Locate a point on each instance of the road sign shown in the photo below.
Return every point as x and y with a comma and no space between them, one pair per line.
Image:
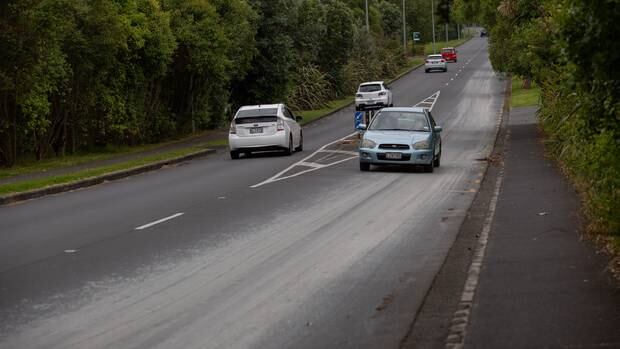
359,118
416,36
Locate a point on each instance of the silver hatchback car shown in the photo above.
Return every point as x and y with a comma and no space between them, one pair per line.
373,95
264,128
401,136
435,62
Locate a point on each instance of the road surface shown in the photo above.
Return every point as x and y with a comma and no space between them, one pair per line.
221,254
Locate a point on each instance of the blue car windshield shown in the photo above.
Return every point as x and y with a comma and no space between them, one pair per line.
400,121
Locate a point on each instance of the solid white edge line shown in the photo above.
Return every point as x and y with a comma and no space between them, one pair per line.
148,225
460,319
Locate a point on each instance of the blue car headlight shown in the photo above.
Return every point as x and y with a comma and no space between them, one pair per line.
422,145
367,143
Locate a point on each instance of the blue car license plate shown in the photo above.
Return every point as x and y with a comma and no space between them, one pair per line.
393,156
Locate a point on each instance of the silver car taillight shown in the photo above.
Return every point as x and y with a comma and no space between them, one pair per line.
233,128
280,125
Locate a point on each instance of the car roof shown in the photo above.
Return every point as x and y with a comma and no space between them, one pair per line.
405,109
260,106
371,83
435,55
447,48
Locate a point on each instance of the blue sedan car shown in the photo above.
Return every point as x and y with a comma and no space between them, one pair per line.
401,136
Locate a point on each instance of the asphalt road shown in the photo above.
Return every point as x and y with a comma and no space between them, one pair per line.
331,257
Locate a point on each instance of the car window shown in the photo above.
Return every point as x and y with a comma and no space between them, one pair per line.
430,117
370,88
253,116
435,56
288,113
447,50
400,120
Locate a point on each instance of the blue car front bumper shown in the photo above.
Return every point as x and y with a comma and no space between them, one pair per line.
410,157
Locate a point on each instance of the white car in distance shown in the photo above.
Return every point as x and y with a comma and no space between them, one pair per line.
258,128
373,95
435,62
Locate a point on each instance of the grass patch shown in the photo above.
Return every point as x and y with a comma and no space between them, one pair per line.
26,166
522,97
217,143
412,62
94,172
311,115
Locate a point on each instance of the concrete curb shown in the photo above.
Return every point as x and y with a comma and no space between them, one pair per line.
88,182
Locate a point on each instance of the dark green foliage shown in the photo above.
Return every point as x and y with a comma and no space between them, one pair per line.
78,74
569,48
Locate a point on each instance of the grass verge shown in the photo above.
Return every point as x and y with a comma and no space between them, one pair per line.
311,115
27,166
94,172
524,97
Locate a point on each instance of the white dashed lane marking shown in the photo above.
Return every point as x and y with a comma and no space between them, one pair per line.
148,225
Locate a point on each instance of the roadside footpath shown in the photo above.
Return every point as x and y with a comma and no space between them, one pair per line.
540,284
530,279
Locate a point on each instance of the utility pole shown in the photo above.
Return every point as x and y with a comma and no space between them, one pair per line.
404,30
367,22
433,23
447,38
458,31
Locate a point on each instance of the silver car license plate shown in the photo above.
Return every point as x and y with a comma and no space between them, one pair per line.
393,156
255,130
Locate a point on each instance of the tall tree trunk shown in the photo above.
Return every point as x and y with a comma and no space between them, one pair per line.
191,101
7,152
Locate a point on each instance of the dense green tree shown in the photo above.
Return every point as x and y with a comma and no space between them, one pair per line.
336,42
268,79
568,48
76,74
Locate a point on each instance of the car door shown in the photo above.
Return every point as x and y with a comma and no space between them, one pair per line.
293,125
389,93
436,136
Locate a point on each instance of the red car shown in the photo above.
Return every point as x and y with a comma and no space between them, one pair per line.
449,54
